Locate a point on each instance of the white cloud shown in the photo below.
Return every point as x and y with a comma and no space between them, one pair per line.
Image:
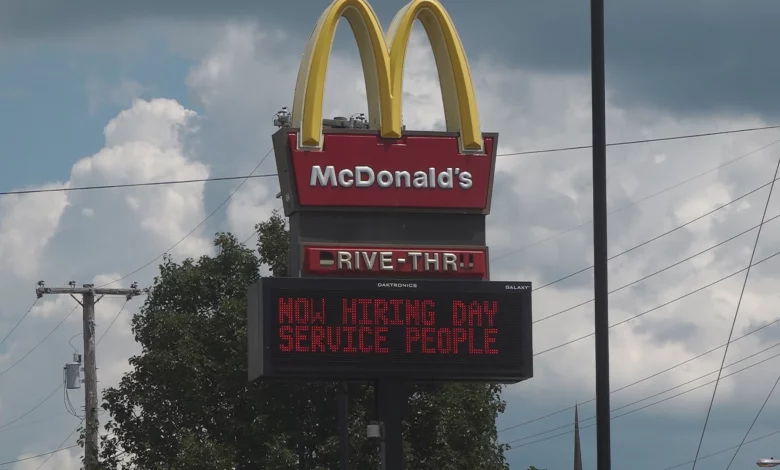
93,237
244,74
147,143
27,224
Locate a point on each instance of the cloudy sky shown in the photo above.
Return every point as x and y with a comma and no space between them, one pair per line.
95,94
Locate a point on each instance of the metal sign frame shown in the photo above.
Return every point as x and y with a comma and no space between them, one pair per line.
262,363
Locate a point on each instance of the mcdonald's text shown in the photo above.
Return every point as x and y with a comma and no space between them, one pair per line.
365,177
365,170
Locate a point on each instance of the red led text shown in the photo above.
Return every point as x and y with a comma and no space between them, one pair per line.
366,325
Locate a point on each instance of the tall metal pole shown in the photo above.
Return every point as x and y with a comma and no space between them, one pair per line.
600,263
90,383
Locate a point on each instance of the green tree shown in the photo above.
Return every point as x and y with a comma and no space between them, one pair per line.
187,403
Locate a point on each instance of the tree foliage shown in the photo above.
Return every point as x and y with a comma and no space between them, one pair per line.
187,403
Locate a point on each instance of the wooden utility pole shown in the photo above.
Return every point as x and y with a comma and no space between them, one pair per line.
88,293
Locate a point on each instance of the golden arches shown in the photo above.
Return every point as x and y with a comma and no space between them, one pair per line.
383,70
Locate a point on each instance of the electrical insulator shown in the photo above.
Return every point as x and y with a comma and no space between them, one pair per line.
282,118
73,375
358,121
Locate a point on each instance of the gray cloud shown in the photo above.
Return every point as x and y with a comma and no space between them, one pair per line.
686,57
536,196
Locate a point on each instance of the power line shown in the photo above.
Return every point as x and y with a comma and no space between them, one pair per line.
724,450
133,185
668,232
113,321
51,394
658,307
222,204
9,462
28,423
644,379
526,152
642,407
753,423
19,322
5,425
639,201
736,314
59,447
665,268
688,382
642,141
3,372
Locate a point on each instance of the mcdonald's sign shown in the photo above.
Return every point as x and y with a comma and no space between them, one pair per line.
380,166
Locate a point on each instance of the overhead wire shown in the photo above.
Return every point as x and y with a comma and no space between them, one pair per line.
769,395
676,299
663,400
642,141
222,204
638,201
664,234
20,192
268,175
59,447
35,302
724,450
637,382
26,413
60,385
736,314
4,371
245,178
662,270
642,244
35,421
113,321
688,382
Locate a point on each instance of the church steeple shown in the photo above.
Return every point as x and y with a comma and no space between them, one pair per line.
577,450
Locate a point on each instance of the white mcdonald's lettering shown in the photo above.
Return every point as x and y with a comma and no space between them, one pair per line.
383,63
389,261
365,177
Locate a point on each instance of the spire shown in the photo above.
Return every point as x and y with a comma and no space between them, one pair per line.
577,451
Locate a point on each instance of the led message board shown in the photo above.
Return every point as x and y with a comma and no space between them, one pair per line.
330,328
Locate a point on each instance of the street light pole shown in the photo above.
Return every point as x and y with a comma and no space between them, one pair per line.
600,260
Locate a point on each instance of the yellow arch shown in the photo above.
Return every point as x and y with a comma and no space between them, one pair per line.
383,70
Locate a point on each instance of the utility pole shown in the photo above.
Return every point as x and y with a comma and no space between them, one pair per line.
88,301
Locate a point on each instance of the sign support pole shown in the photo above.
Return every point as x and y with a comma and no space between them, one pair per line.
344,425
390,399
600,254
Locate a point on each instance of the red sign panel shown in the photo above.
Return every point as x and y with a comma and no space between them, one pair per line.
395,261
363,170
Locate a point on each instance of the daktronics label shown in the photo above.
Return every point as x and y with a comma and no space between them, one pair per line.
395,261
360,169
358,328
365,177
